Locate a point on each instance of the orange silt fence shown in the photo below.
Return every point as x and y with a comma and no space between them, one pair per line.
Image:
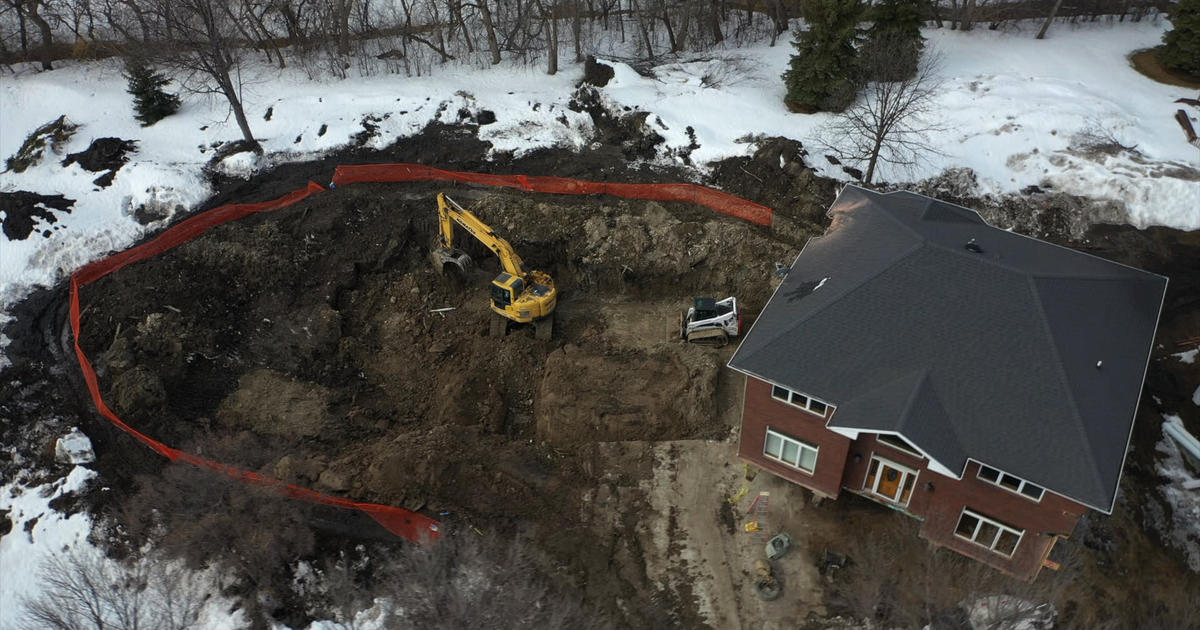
403,523
722,202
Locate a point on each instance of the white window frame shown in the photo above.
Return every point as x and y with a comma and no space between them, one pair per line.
802,446
1000,529
793,395
1021,485
904,470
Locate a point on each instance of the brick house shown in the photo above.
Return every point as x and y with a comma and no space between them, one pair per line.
978,380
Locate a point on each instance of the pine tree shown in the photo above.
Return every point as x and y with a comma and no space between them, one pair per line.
895,32
150,102
1181,45
823,74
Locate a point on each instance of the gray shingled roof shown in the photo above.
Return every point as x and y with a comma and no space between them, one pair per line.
990,356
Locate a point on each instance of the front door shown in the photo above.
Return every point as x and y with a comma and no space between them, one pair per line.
890,481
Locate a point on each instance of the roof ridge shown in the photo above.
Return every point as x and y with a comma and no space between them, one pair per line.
1076,418
926,384
912,396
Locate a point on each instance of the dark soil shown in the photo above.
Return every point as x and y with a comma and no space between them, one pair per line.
304,343
103,154
1147,63
22,210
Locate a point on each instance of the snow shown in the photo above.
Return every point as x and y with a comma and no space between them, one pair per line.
1184,529
1196,396
23,552
1005,112
243,164
1006,612
74,448
308,118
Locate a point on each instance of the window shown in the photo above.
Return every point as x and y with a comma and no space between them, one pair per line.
807,403
1011,483
889,480
790,451
981,530
899,443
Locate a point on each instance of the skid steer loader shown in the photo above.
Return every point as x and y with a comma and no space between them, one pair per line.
710,322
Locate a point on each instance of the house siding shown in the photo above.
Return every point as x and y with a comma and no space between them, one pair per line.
761,412
936,500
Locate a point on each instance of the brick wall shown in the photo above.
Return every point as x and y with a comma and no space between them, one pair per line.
936,499
761,411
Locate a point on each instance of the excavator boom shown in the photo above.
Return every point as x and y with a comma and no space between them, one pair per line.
449,213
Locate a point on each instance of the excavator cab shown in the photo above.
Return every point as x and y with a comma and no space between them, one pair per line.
505,289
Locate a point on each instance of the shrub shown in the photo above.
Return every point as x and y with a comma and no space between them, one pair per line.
823,74
1181,45
150,102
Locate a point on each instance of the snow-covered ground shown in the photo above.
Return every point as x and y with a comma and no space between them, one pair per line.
1014,110
1184,528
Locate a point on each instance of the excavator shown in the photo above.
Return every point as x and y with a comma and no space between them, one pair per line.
519,294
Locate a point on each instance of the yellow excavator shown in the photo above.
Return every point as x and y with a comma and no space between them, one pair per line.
519,294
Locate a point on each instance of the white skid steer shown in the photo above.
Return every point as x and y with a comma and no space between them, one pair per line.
710,322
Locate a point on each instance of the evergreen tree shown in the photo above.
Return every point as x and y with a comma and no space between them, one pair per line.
895,32
1181,45
823,74
150,102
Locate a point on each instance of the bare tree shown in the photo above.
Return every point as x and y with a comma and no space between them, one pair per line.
199,40
468,582
1050,18
84,590
32,10
890,122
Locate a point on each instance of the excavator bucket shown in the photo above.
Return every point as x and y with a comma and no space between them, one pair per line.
456,261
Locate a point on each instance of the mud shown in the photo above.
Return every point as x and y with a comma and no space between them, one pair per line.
313,344
103,154
23,210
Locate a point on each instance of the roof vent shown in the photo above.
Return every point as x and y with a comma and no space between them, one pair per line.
972,247
1099,364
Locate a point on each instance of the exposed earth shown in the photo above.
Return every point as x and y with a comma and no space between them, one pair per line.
314,344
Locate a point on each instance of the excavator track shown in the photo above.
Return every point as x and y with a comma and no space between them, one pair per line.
712,337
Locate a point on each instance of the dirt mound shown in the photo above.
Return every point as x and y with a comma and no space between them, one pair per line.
777,175
52,135
669,395
596,73
270,403
637,247
627,129
103,154
1036,212
22,209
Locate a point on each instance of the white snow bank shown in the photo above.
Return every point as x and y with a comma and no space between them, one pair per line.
74,448
1009,114
37,532
1016,110
1005,612
40,533
307,118
1188,356
1184,528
